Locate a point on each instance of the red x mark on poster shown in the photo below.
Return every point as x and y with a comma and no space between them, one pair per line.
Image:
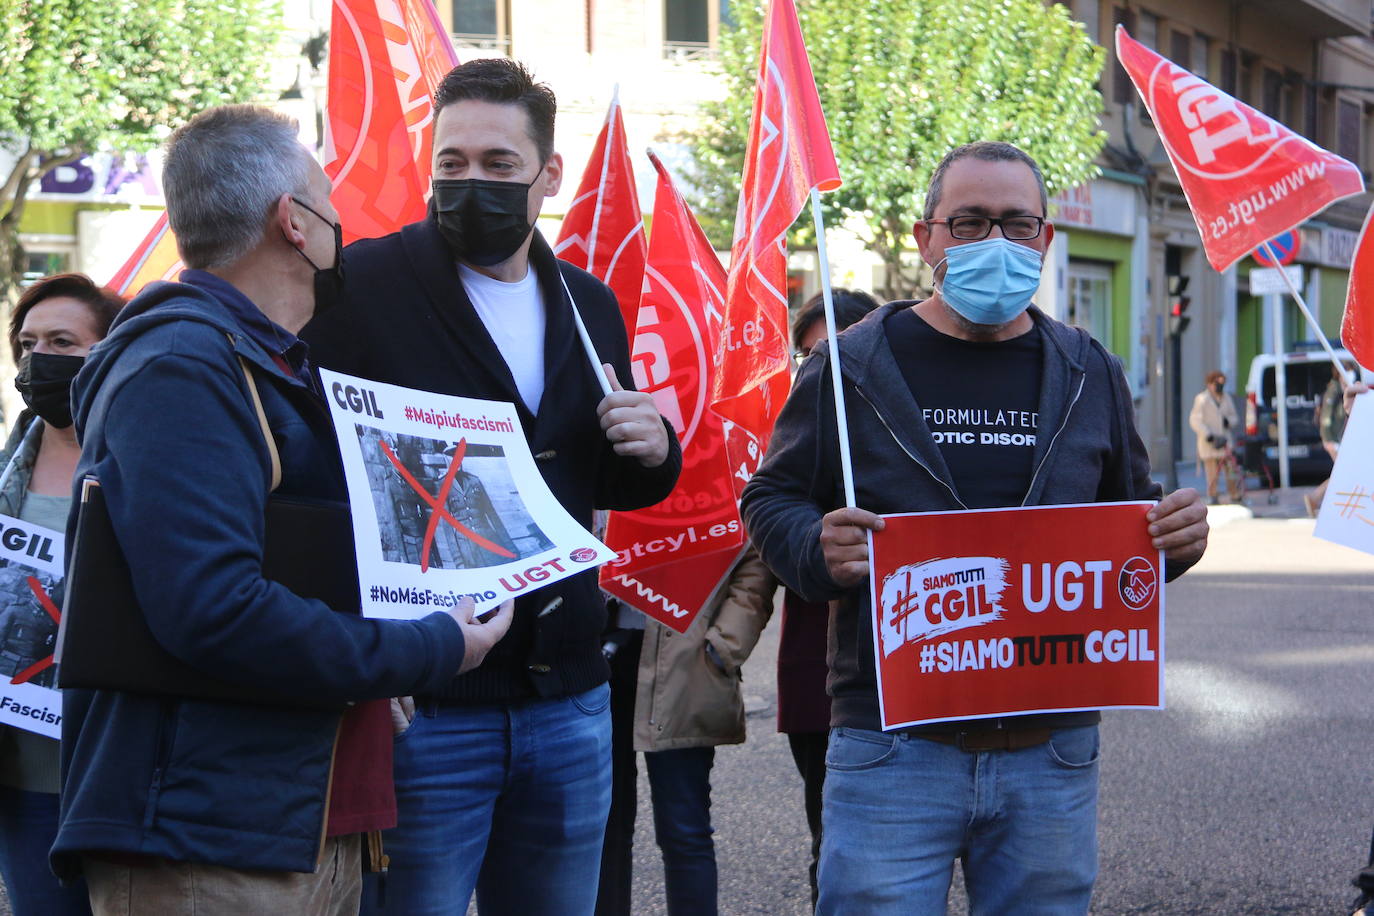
437,504
46,603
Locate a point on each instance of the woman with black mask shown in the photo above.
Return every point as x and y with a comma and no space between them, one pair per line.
55,323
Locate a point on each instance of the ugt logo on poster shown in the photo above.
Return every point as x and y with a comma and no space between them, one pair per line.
1006,611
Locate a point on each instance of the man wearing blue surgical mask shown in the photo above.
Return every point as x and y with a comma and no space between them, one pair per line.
969,399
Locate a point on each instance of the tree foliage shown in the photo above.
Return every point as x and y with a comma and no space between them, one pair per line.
78,76
902,82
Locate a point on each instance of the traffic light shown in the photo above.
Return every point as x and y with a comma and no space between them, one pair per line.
1178,308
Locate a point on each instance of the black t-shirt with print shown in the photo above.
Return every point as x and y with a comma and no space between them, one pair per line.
980,401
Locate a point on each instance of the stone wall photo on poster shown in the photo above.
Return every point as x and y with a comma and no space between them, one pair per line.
481,496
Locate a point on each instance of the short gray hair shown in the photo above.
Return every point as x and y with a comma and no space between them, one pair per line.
987,151
225,170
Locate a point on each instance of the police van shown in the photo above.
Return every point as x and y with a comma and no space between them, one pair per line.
1307,372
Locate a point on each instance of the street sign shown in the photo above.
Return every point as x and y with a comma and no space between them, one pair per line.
1285,244
1267,281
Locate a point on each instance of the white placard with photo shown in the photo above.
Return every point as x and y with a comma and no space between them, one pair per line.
447,501
31,571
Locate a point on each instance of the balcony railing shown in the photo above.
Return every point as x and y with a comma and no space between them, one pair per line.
482,42
684,51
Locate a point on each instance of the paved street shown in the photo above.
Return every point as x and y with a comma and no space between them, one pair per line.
1249,794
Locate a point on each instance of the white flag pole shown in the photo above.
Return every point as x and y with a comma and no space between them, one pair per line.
1302,305
846,464
587,344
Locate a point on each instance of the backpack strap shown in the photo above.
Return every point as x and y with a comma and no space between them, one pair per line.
271,443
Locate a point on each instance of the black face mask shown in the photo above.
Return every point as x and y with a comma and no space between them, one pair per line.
45,383
484,222
328,280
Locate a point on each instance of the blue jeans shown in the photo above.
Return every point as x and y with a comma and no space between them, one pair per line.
28,826
900,809
509,799
680,785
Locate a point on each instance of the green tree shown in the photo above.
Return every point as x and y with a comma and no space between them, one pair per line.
78,76
902,82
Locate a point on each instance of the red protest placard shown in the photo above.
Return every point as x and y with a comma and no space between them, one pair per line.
999,612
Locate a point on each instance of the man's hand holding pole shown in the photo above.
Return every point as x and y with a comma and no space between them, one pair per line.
1353,390
844,542
632,423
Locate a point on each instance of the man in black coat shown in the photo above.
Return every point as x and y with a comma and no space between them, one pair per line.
503,777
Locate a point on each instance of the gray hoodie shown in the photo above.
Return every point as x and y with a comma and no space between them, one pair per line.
1087,451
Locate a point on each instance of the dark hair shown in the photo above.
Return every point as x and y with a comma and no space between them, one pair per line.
850,306
503,82
101,302
987,151
1214,375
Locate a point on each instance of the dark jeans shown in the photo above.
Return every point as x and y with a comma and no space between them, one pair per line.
680,786
617,857
808,752
508,798
680,790
28,826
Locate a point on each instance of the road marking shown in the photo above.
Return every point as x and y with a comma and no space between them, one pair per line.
1334,655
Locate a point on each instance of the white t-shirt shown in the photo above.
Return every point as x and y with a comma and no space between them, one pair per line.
514,317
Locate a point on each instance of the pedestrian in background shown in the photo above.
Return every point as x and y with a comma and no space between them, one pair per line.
1214,419
676,697
55,323
1331,416
803,705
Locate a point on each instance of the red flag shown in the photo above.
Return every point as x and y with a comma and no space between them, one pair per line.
1357,327
386,57
1246,176
671,555
603,232
673,595
788,154
155,258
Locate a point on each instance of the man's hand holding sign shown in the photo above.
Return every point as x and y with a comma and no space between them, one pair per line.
1177,525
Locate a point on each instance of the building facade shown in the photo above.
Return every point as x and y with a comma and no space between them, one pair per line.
1123,241
1127,239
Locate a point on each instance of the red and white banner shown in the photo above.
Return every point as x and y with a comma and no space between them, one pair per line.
603,231
671,555
386,57
1357,326
673,595
155,258
1246,176
1001,612
788,154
